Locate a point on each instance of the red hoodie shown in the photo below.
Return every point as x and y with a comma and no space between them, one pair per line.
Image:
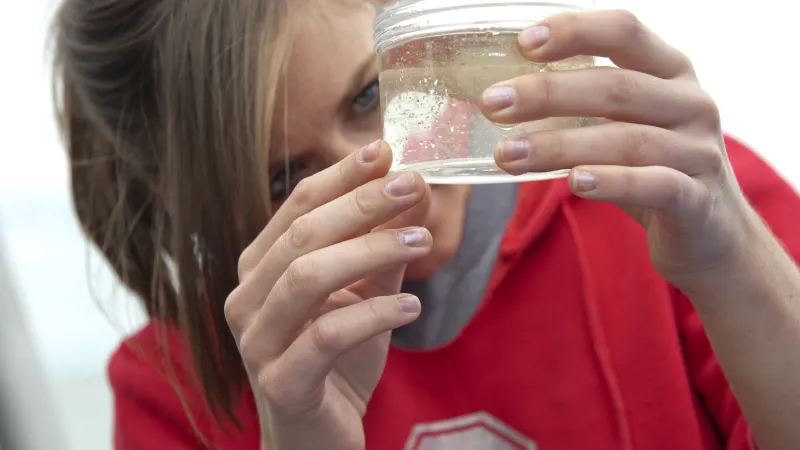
578,344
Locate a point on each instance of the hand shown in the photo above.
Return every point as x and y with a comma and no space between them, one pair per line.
659,153
318,298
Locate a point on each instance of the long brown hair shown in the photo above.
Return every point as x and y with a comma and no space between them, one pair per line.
166,109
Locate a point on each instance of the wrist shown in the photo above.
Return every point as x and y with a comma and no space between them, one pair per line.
758,269
751,247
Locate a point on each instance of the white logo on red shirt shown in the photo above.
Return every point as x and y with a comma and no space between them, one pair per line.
479,431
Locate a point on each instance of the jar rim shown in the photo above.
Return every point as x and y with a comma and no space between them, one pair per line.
404,20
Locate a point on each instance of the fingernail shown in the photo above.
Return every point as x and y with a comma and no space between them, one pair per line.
534,37
410,304
401,185
369,153
585,182
497,98
412,238
513,150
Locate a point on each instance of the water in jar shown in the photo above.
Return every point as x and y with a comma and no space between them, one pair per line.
430,90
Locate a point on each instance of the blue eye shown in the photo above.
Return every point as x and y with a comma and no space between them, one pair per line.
368,98
283,182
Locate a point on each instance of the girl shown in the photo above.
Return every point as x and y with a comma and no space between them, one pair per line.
221,160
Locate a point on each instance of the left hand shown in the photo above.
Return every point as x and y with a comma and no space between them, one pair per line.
660,154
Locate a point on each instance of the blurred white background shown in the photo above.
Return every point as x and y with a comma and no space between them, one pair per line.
745,55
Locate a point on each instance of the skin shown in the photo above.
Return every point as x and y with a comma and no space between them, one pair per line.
319,289
333,60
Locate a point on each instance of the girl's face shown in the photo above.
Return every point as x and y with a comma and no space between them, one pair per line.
334,109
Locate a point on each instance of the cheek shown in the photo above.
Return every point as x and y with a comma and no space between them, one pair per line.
446,223
365,129
352,137
446,214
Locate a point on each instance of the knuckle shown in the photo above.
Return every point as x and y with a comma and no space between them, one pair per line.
685,63
372,243
636,151
343,169
249,349
678,196
272,387
708,195
628,185
715,158
247,261
706,107
622,87
547,90
286,391
569,25
299,274
299,234
672,192
629,24
327,336
232,309
553,148
302,196
362,202
558,145
375,313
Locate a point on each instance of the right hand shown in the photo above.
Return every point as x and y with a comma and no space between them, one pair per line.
318,298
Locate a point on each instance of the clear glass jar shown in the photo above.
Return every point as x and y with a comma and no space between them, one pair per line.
436,59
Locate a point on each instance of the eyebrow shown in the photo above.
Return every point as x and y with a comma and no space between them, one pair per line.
357,81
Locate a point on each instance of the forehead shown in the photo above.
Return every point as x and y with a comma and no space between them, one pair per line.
332,41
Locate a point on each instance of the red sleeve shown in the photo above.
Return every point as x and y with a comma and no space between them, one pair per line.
708,380
778,204
152,394
148,412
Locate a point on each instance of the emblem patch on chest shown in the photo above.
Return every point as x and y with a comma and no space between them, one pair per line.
479,431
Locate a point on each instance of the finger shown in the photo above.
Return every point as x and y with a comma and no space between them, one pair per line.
312,356
613,143
344,218
617,35
388,282
310,279
658,188
616,94
416,216
338,300
371,162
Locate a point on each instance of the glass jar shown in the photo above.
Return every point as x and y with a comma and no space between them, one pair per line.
436,59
